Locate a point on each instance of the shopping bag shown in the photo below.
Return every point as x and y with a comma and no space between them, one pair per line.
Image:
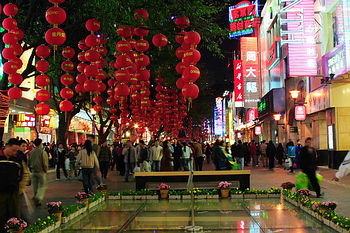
287,163
147,166
303,182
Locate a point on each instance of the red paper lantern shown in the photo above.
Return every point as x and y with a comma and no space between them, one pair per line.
92,40
142,45
81,57
55,36
79,88
92,55
42,51
102,51
124,32
180,67
67,66
98,108
122,90
18,32
111,83
142,60
182,22
179,38
102,75
180,52
92,25
55,2
67,79
114,118
132,68
17,61
66,106
123,61
10,9
91,71
192,38
101,87
42,109
68,52
159,40
191,74
14,93
90,85
113,110
42,80
81,78
66,93
55,15
15,79
42,66
123,46
180,83
9,24
190,90
141,14
81,67
122,75
8,53
10,67
191,57
9,38
18,49
97,99
43,95
82,45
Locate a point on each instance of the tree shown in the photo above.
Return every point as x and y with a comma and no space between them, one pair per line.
111,14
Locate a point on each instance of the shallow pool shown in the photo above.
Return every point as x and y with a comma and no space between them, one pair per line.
227,215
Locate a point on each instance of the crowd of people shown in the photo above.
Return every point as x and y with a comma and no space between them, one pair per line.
25,163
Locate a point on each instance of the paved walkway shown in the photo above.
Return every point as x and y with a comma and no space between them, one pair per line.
64,190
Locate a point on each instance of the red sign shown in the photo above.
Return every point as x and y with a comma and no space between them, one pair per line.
251,71
252,114
238,83
258,130
25,120
300,113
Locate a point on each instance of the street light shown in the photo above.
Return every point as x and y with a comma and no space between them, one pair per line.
277,116
294,94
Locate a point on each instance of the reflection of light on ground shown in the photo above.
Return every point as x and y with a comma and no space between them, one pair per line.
279,207
254,227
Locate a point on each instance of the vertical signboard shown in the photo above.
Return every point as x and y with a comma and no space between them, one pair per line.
218,117
250,71
298,31
238,83
300,113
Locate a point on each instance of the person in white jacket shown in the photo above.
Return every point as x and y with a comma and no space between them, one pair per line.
344,168
156,155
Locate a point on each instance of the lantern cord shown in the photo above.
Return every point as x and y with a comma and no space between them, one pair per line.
54,53
65,116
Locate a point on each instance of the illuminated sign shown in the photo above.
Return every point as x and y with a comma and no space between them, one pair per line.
252,114
298,31
218,117
238,83
258,130
25,120
251,71
300,113
334,61
243,18
1,67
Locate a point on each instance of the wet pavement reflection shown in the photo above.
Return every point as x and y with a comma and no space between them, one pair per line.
227,215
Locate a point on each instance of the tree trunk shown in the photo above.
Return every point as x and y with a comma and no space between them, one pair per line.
63,127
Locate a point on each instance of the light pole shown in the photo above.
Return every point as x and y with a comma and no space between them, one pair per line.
277,118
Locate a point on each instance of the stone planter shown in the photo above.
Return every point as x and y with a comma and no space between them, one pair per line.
262,196
174,197
326,222
164,193
127,197
152,197
186,197
201,196
274,195
116,197
138,197
237,196
250,196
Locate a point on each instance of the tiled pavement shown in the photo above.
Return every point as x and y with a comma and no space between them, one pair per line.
64,190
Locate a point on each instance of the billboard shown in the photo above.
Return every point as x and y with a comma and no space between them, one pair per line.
250,71
243,18
218,117
238,82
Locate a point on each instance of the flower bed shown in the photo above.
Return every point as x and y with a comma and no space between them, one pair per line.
324,212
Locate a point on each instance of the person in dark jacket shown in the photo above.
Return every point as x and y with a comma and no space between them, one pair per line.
280,154
308,164
271,154
61,154
165,164
104,159
11,174
178,156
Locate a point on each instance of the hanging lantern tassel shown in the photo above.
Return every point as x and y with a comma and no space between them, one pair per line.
189,105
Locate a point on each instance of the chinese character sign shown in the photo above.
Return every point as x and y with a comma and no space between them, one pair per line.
250,71
252,114
300,113
25,120
218,117
238,83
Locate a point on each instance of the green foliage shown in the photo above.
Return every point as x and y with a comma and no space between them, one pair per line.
70,209
95,197
41,224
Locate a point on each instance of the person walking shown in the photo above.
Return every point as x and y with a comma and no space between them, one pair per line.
253,151
271,154
60,155
291,154
114,156
167,158
208,151
10,173
96,148
198,155
129,154
280,154
186,151
178,156
88,161
239,154
308,164
156,152
144,158
39,165
263,157
104,159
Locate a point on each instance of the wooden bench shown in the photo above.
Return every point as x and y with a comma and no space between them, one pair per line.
201,179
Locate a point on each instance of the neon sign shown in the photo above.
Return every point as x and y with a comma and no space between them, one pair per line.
300,113
218,117
238,83
243,18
